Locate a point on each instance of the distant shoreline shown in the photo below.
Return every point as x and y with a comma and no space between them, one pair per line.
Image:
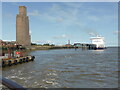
34,48
113,46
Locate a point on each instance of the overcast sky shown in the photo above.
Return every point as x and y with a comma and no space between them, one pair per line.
62,21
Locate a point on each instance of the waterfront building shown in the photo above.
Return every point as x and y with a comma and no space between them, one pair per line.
22,27
68,45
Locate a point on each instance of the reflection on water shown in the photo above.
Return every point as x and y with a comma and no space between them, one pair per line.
99,50
68,68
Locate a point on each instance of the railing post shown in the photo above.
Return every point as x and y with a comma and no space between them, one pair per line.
11,85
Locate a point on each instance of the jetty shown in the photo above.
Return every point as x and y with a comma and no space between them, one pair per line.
85,46
15,61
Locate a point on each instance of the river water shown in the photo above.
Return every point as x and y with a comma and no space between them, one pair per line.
67,68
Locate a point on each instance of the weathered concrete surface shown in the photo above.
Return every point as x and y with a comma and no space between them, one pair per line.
22,27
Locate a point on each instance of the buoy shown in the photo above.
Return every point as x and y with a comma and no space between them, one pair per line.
27,59
9,63
33,57
3,63
24,60
15,62
20,61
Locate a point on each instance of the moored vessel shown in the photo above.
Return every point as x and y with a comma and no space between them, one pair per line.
98,42
14,59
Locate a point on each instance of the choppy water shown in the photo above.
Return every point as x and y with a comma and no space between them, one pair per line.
67,68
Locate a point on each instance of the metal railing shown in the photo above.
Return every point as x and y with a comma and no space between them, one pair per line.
11,85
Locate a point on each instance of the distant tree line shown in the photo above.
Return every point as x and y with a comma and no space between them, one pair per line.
46,44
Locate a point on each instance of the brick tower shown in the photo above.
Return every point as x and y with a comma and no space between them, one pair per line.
22,27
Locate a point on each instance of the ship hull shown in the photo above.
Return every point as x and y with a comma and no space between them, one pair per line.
100,48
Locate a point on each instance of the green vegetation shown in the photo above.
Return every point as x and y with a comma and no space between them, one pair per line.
46,44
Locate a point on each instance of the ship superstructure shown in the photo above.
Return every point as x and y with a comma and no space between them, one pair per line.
98,41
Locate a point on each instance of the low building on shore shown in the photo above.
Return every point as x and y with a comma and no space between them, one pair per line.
8,43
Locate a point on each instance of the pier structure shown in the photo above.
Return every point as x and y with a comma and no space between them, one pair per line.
22,27
15,61
85,46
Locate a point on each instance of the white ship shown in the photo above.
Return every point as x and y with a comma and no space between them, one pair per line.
98,41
